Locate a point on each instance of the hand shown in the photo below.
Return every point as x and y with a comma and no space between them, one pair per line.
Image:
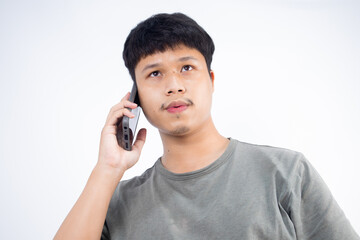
110,153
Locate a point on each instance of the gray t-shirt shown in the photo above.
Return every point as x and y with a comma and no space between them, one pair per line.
250,192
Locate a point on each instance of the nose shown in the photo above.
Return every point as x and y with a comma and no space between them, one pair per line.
174,85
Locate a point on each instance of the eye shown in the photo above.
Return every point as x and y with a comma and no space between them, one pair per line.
186,68
154,74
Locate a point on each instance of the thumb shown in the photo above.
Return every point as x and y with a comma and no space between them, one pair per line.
140,140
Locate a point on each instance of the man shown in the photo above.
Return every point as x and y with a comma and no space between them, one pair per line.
205,186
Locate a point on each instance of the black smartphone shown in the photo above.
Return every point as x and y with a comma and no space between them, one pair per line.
127,126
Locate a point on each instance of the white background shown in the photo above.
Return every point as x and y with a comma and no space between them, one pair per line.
287,74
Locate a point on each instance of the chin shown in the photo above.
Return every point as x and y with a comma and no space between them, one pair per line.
178,131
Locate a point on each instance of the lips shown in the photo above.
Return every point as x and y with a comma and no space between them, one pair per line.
178,106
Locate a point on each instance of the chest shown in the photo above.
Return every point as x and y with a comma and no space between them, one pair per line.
208,210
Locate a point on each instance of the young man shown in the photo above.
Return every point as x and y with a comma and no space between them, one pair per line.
205,186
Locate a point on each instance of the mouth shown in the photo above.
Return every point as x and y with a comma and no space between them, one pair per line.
177,106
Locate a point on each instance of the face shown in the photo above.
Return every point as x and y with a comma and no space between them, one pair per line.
175,90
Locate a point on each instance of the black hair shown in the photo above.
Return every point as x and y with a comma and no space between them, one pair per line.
162,32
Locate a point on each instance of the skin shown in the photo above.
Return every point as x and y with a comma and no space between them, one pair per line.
86,218
190,139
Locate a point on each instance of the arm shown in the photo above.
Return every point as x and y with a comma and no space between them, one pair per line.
314,211
86,218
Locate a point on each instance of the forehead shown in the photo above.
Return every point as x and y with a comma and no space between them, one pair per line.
176,54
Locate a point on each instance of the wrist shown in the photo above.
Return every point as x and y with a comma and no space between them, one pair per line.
108,173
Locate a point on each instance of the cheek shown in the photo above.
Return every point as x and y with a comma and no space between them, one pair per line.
150,105
204,96
206,105
150,115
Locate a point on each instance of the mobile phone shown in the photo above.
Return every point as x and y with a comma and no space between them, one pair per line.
127,126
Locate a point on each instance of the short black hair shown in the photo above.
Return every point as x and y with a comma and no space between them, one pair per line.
162,32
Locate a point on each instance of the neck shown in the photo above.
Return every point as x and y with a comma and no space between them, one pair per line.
194,150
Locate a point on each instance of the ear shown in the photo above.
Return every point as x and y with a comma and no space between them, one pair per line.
212,76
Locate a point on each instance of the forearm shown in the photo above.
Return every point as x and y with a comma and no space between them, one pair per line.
86,218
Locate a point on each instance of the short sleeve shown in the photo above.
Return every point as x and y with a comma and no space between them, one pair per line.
313,209
105,233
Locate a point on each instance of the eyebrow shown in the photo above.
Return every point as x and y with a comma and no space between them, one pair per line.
182,59
150,66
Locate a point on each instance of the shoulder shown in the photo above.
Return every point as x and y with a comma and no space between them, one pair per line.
137,181
285,165
126,189
270,154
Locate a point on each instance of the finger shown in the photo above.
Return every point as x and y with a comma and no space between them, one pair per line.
126,101
129,104
123,104
114,116
126,97
140,140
